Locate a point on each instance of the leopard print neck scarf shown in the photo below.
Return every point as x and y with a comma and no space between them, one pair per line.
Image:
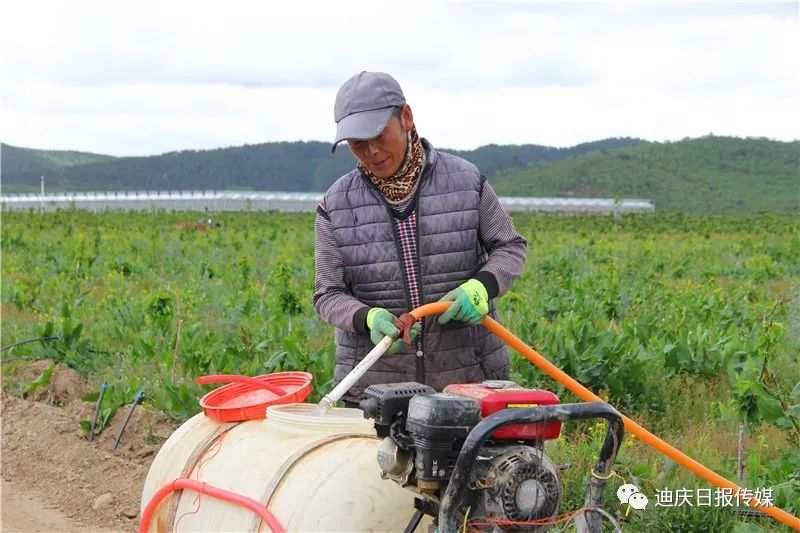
403,183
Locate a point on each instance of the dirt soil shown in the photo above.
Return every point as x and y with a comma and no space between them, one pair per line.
25,511
53,479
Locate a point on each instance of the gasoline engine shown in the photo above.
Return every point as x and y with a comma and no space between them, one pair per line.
475,452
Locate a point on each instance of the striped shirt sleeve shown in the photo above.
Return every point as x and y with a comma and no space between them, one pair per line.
507,249
331,299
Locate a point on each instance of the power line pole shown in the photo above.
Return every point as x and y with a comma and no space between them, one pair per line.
42,198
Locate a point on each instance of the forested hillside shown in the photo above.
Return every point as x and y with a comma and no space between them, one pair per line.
18,162
704,175
281,166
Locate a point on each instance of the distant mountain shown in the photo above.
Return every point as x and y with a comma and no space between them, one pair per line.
285,166
494,158
18,162
705,175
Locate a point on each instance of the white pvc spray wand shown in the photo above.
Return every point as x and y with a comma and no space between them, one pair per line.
359,370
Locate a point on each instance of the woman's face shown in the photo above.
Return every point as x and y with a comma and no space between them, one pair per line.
384,154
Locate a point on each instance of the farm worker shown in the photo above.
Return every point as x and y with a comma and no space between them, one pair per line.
409,225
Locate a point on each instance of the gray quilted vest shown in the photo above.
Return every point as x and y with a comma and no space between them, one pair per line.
449,251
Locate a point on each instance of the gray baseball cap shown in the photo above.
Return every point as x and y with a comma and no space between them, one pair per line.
364,106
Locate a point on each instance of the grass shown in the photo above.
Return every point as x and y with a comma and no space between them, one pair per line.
664,315
695,426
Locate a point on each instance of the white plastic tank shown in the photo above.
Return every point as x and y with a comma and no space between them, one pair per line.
314,473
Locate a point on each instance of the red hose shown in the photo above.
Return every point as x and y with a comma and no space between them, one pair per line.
214,492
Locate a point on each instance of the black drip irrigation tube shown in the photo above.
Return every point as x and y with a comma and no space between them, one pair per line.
136,401
454,494
103,388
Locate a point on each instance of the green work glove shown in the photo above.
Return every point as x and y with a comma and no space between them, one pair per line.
381,323
470,303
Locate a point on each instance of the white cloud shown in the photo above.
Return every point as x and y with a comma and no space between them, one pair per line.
151,77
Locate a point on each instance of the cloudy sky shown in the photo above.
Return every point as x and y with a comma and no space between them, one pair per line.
144,77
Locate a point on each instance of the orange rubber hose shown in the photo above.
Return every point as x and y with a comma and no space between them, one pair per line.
585,394
209,490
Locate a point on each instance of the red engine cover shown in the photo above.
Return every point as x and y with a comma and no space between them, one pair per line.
495,396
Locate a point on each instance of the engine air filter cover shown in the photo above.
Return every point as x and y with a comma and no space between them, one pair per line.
442,416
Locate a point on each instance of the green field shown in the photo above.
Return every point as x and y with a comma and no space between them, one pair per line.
688,324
